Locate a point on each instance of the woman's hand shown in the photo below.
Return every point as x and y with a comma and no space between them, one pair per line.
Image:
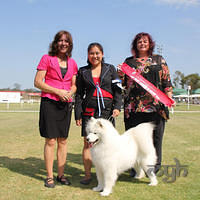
174,104
79,122
64,95
115,113
169,94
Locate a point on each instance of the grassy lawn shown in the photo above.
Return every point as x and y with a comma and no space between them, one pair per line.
22,168
35,107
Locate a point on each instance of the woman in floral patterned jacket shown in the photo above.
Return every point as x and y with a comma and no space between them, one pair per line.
139,105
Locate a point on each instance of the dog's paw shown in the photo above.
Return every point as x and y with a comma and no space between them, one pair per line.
97,189
153,183
139,176
105,193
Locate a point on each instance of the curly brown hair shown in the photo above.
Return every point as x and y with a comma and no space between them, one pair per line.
53,47
134,44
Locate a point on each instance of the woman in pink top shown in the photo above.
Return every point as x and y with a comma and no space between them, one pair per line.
56,77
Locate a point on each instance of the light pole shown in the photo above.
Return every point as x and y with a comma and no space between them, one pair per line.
189,88
160,49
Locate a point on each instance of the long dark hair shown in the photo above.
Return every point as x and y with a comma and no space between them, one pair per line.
134,44
53,47
95,44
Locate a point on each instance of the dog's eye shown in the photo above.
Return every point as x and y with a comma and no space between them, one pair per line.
95,133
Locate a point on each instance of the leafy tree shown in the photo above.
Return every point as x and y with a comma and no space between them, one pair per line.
31,90
178,79
5,89
17,87
193,80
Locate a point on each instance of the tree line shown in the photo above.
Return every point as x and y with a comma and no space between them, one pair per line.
17,87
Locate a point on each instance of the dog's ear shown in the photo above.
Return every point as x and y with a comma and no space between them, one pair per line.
100,124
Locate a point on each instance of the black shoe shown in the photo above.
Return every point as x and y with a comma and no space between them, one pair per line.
86,181
133,172
47,184
63,180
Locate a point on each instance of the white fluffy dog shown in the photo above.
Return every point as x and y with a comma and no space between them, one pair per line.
113,153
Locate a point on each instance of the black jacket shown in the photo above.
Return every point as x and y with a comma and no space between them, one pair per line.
86,88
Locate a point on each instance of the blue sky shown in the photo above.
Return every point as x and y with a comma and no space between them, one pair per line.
28,27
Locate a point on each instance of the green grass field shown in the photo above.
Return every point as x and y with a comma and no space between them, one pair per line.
22,168
35,107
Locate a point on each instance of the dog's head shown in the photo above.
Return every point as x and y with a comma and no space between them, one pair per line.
96,130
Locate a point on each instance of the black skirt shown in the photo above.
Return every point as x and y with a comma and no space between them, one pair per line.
55,118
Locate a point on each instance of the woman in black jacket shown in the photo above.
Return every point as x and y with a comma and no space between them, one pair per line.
98,95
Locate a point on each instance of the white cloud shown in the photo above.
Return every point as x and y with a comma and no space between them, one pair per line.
179,2
171,2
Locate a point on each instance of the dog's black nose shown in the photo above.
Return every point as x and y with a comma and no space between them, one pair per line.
87,139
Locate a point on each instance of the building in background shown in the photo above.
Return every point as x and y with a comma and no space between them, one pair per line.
19,96
10,97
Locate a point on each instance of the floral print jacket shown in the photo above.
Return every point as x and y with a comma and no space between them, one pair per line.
136,99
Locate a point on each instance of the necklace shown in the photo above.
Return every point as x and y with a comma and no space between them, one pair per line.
143,58
62,62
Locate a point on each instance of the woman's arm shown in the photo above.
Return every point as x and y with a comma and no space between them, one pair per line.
166,80
40,84
73,88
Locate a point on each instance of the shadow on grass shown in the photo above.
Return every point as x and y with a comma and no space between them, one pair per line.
32,167
35,168
125,177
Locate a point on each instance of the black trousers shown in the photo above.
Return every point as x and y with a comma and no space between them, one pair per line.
138,118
